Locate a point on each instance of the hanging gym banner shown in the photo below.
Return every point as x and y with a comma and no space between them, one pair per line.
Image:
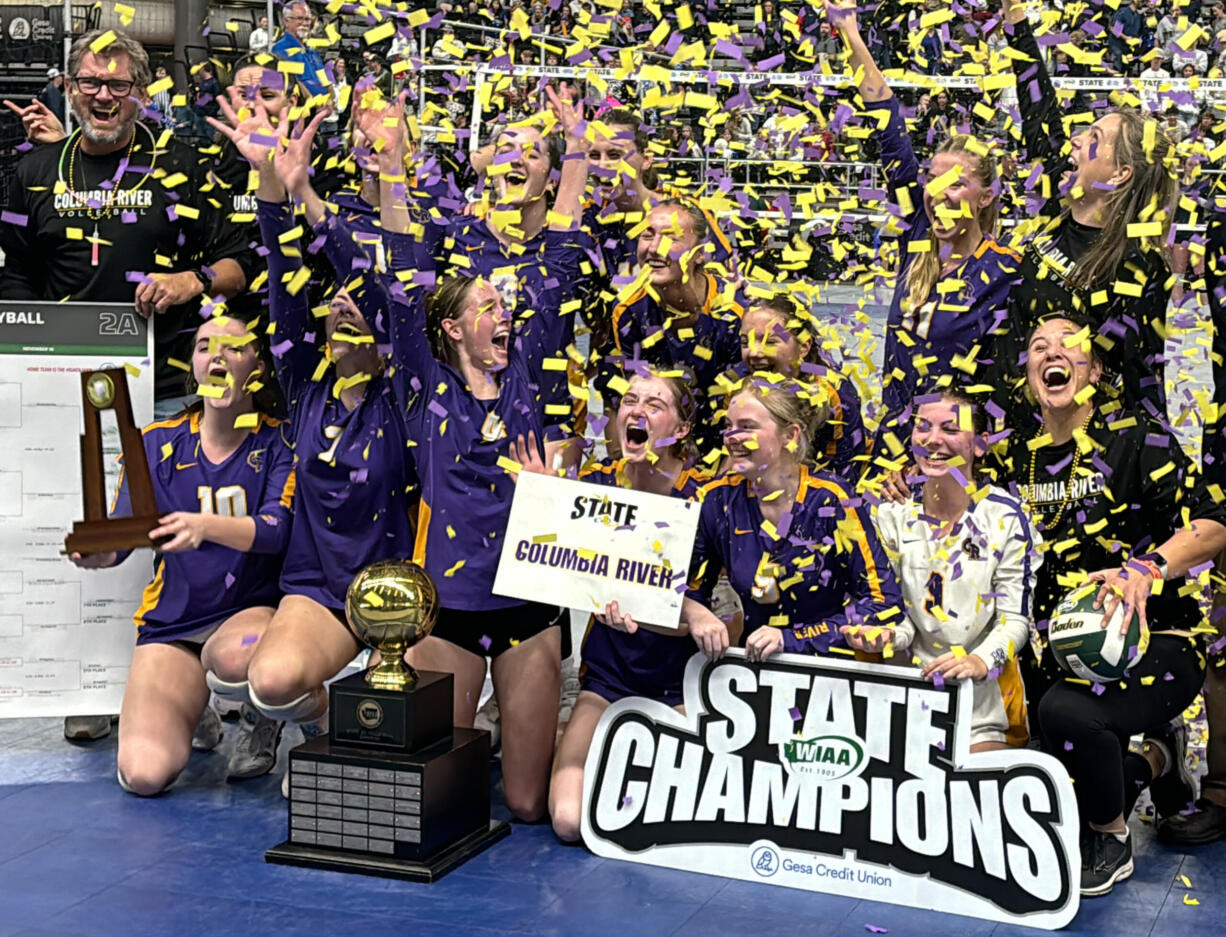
836,776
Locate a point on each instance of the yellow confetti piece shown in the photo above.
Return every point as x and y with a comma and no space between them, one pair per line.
125,13
167,450
378,33
1146,229
509,465
455,569
373,598
131,369
102,42
212,391
187,211
1185,882
1189,900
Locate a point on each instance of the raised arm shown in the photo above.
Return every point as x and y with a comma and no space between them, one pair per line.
871,82
1036,97
394,310
897,154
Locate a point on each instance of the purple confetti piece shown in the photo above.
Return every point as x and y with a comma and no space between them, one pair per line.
874,929
794,712
485,642
12,217
249,639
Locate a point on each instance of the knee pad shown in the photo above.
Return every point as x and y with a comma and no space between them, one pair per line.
233,692
293,711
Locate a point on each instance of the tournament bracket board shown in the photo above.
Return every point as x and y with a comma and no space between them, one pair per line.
66,634
583,545
832,775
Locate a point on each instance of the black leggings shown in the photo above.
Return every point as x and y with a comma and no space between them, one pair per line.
1089,732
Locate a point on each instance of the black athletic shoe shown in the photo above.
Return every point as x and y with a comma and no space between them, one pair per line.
1105,861
1207,824
1174,790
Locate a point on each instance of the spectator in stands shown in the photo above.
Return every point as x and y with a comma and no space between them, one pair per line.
161,100
1125,36
381,77
260,40
1150,95
205,105
1169,29
52,94
342,91
298,21
828,45
1195,55
443,49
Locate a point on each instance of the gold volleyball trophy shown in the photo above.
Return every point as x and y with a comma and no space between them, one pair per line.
395,789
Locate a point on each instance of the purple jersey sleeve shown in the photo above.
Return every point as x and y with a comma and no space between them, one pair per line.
707,560
295,354
273,519
863,572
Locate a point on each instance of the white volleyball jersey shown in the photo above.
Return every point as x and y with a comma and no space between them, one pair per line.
970,589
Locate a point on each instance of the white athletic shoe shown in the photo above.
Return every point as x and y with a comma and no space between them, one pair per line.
208,731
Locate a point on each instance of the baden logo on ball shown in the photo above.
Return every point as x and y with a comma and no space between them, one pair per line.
395,789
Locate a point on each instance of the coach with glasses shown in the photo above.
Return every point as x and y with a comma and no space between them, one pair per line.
112,214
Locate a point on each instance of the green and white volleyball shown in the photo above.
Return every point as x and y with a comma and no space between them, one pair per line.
1090,647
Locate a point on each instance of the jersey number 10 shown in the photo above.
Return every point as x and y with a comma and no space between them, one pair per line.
228,501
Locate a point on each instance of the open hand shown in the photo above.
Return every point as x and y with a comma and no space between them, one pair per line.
528,454
1131,585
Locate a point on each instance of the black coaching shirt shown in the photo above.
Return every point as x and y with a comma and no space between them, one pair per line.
1128,497
89,228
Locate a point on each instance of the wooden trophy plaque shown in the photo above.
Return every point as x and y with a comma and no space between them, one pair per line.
108,390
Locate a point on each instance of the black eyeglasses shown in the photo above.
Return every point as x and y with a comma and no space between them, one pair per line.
119,87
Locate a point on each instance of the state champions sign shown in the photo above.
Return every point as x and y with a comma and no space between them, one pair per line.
836,776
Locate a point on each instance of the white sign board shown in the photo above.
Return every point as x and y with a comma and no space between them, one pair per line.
836,776
582,545
66,634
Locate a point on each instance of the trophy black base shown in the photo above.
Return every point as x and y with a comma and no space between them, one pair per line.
367,809
424,870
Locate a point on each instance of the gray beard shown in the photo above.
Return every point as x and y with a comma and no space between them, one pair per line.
109,138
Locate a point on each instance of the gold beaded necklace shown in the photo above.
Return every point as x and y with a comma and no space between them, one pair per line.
1068,488
80,200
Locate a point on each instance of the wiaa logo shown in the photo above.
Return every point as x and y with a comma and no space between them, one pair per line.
824,758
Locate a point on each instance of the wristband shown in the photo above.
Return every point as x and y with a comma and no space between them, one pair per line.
206,283
1152,563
